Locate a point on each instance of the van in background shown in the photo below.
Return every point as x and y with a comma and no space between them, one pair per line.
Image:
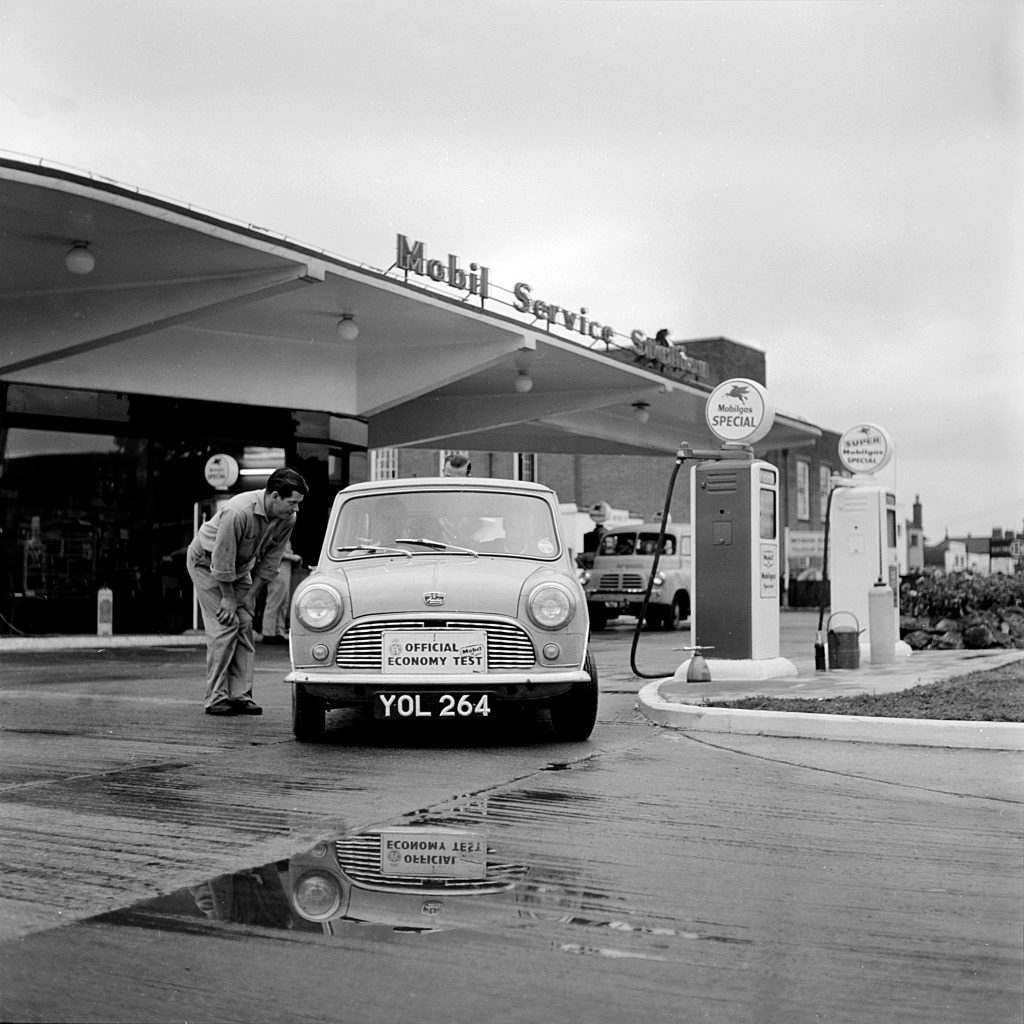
617,582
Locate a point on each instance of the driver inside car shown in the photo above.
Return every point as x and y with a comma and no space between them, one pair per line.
388,521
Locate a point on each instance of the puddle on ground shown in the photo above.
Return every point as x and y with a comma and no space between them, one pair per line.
481,863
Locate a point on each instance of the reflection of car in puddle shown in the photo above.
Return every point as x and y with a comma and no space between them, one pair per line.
424,877
407,877
410,878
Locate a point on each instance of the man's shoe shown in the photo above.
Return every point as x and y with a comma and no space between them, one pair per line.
247,707
222,707
275,640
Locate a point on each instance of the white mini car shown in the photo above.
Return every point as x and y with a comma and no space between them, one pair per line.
443,598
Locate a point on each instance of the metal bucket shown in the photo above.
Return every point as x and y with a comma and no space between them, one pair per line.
844,643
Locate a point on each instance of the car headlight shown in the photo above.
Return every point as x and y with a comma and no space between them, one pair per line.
317,896
550,606
658,579
319,606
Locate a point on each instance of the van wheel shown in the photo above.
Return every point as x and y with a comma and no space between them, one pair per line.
598,618
308,716
573,714
678,613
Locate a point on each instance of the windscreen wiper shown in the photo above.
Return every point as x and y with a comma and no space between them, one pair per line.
437,545
373,549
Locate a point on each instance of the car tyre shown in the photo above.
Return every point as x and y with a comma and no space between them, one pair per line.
574,714
308,716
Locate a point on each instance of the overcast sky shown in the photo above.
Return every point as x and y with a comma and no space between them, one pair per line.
837,184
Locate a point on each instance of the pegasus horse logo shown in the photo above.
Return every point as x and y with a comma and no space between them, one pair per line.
738,391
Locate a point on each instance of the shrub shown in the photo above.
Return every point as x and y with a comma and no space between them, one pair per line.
960,593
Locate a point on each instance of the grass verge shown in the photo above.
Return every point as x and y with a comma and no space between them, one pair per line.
995,695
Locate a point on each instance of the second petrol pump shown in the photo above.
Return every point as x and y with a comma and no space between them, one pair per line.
863,559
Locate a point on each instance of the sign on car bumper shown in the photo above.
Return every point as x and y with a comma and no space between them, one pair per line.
434,652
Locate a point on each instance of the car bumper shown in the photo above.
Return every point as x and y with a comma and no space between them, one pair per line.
475,680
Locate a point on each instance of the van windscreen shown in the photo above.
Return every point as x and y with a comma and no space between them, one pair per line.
618,544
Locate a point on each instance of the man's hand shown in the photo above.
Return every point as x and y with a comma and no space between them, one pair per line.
227,613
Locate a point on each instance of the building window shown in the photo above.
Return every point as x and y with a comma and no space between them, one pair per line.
383,463
824,483
803,490
526,466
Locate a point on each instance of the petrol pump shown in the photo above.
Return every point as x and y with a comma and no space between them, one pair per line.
734,505
734,514
862,555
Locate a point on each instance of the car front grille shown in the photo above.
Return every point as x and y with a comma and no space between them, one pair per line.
621,581
508,645
359,858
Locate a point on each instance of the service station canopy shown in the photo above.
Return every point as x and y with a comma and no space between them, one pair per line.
183,304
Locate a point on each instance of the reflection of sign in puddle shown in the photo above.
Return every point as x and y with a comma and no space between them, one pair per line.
431,853
414,877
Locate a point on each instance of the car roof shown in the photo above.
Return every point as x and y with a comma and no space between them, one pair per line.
461,483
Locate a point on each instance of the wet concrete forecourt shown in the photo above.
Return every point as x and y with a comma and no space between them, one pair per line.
673,702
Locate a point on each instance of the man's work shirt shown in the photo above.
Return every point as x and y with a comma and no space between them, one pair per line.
240,538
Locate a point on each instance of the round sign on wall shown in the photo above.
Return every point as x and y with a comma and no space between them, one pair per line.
738,411
221,471
865,448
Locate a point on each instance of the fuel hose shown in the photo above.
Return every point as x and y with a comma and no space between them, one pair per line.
820,661
650,581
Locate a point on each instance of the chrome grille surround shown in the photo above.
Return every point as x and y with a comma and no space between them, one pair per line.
509,647
359,857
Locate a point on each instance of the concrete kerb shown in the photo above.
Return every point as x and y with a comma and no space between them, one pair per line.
848,728
126,641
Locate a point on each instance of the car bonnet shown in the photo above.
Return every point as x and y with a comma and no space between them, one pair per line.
394,584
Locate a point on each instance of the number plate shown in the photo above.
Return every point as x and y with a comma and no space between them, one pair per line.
425,651
408,706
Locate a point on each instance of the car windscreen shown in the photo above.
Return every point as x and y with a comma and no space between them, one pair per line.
487,522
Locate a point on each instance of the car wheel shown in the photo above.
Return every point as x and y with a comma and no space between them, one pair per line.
308,715
573,714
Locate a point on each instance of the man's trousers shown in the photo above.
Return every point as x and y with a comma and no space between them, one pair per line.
230,651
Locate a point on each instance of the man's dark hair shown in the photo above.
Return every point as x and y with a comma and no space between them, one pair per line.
285,482
457,461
